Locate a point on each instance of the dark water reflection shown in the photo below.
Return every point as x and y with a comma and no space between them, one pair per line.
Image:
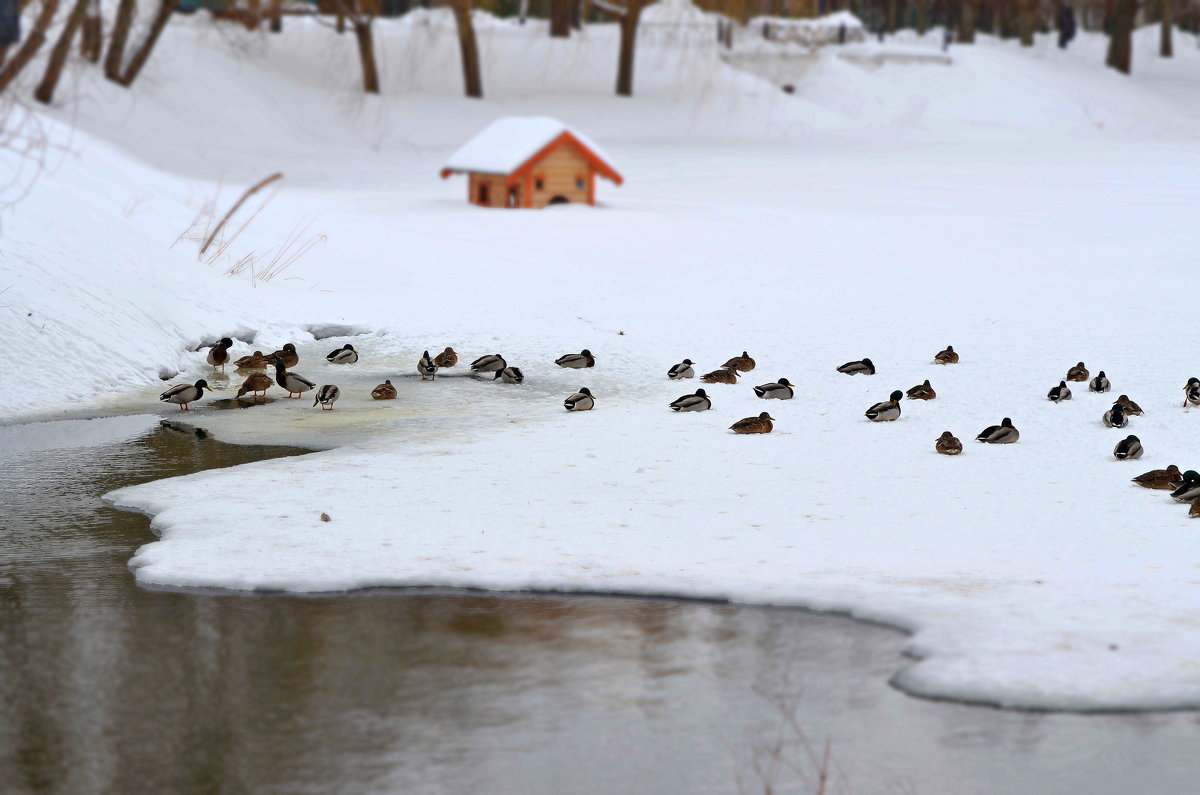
105,687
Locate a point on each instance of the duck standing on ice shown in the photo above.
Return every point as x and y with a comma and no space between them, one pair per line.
183,394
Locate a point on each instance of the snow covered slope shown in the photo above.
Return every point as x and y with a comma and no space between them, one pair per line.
1029,208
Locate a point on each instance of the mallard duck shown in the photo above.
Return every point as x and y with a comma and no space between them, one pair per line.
782,389
921,392
1194,511
183,394
218,354
1191,392
1128,449
725,375
294,383
583,400
887,410
1059,393
759,424
343,355
681,370
696,402
255,361
864,366
1077,373
1004,433
577,361
1115,417
326,396
1130,408
1100,383
511,375
447,358
489,364
1189,489
287,354
426,367
948,444
743,363
384,391
1164,479
258,382
947,356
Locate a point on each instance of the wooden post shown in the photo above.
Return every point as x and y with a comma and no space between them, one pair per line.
44,93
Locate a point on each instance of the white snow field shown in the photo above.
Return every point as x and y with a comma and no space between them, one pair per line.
1029,207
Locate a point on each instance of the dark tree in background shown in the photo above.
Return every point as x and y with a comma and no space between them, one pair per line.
1120,44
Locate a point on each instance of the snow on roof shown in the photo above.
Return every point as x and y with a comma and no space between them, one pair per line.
507,144
829,21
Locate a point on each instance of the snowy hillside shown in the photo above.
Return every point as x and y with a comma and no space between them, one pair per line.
1031,208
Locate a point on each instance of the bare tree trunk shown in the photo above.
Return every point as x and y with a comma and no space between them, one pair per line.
33,42
165,9
472,79
890,19
1028,22
1120,44
629,26
966,21
58,56
91,42
1168,21
253,14
523,10
366,54
560,18
577,14
120,36
276,13
922,7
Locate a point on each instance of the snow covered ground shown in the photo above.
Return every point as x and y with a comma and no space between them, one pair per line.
1030,208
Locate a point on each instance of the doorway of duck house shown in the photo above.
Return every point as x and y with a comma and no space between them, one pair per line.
559,200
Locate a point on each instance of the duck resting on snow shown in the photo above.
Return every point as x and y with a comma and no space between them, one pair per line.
577,361
782,389
681,370
255,361
384,391
287,354
1164,479
583,400
1130,408
948,444
696,402
921,392
743,363
864,366
1100,383
887,410
759,424
1059,393
1128,449
343,355
947,356
1004,433
447,358
512,375
1189,489
1077,373
725,375
1115,417
183,394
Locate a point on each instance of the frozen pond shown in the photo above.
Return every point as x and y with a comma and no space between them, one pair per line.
105,687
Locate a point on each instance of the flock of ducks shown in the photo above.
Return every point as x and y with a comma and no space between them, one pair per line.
1184,486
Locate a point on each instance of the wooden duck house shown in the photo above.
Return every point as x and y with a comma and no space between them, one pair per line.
530,162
